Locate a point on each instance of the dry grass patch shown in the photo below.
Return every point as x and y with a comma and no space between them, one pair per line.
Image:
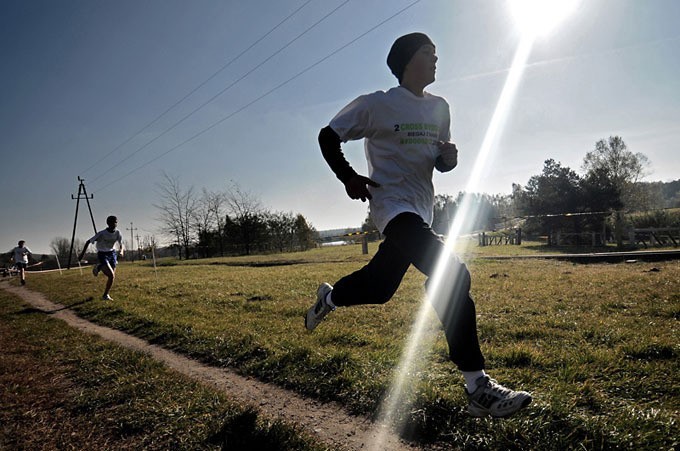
61,389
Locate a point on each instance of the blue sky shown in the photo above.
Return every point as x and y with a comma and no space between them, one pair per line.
78,78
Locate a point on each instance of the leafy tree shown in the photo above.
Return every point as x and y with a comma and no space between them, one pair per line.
671,194
281,230
485,211
656,218
600,191
622,169
502,206
442,213
556,190
246,232
305,234
368,225
208,242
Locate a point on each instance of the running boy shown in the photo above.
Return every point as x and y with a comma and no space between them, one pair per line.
406,133
20,256
106,253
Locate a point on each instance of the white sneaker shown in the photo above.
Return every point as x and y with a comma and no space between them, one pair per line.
320,309
95,270
106,297
492,399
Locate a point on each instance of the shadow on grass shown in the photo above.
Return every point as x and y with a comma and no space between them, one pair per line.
75,304
262,264
30,310
246,432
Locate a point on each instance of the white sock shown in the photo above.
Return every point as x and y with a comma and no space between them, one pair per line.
471,379
328,300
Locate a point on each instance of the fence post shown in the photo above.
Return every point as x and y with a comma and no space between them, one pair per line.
364,245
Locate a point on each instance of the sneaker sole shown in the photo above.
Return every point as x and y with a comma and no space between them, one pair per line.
480,412
307,319
310,321
306,326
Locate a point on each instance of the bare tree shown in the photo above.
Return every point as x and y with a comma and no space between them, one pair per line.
215,204
62,246
147,243
204,224
177,211
202,216
246,217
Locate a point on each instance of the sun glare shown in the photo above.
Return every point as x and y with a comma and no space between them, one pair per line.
444,277
539,17
535,17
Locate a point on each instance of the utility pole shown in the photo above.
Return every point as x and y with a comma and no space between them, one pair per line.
139,248
132,238
82,194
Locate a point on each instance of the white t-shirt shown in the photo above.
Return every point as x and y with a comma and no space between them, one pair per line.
21,254
400,132
105,240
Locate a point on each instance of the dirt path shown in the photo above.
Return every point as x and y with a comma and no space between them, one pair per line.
326,421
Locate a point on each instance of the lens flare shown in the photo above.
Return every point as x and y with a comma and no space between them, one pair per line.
445,276
535,18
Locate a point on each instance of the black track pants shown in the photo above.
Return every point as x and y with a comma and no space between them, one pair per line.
409,240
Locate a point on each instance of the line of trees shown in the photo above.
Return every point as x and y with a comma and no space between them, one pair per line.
487,211
230,222
234,222
610,184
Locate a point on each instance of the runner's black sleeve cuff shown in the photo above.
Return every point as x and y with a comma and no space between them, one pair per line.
329,141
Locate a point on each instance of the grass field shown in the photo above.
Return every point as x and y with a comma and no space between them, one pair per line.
596,344
62,389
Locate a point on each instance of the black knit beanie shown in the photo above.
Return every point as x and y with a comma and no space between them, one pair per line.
403,50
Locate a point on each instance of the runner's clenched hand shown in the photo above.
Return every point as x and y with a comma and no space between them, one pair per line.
356,187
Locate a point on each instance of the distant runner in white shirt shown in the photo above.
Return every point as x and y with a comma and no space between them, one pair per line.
106,253
20,256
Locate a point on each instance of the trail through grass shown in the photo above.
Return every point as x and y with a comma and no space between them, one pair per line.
62,389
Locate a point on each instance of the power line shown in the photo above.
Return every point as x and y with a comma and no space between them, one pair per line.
229,116
229,63
222,91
